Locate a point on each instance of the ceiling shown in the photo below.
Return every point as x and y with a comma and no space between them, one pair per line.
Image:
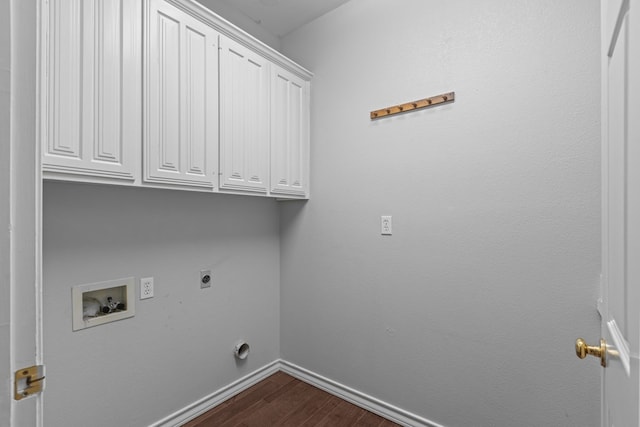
280,17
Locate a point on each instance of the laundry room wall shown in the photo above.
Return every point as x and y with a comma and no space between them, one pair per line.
468,313
178,348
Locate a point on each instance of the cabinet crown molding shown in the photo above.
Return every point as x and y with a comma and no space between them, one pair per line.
228,29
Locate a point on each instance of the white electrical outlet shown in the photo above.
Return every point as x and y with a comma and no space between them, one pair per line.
385,225
146,287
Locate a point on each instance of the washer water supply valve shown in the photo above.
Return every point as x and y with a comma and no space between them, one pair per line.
112,306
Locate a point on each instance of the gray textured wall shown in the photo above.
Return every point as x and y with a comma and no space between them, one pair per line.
468,313
179,346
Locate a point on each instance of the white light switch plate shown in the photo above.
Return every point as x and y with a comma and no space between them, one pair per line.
386,225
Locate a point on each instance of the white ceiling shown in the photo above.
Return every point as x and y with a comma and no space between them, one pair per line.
280,17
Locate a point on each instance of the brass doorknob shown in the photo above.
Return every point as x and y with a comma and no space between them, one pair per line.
582,350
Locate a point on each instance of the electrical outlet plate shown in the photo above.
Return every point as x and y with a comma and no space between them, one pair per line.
146,287
386,225
205,279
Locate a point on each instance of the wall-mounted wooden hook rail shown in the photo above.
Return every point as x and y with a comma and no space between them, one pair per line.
415,105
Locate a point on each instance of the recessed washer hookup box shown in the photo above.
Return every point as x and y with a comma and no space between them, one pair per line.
98,303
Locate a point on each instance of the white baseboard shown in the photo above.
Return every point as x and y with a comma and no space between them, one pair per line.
209,402
362,400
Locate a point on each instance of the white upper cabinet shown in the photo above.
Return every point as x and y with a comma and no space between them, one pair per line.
165,93
91,89
181,98
244,118
289,133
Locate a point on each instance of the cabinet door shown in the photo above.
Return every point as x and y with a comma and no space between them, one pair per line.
244,118
289,133
181,98
91,87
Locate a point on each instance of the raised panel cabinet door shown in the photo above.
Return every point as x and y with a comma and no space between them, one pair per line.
181,98
244,118
289,133
91,88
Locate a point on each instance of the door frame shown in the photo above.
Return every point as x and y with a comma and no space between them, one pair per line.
24,194
5,209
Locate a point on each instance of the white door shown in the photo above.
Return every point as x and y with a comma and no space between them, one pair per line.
621,210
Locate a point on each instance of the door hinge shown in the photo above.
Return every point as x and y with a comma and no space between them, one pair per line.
28,381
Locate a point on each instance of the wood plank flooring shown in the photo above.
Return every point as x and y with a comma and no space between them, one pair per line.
281,400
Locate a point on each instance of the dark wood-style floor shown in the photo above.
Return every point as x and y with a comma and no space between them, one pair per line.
281,400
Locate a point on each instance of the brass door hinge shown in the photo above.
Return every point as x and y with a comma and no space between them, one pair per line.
28,381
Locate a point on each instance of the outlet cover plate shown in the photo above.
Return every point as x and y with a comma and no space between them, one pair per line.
146,287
